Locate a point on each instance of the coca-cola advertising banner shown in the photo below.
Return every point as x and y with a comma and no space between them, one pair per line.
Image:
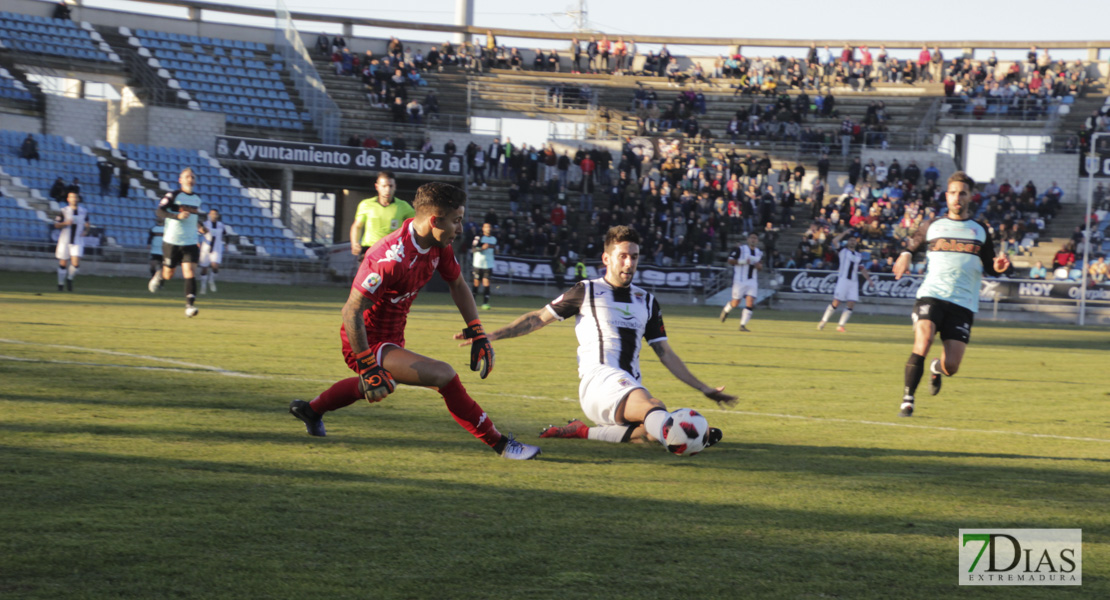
883,285
529,270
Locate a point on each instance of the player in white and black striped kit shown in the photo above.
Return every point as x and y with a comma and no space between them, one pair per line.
73,221
747,262
611,317
847,281
211,251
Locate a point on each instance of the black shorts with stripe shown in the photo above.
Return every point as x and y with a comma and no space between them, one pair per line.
952,320
173,255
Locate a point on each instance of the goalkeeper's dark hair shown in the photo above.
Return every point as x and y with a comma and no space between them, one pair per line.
620,233
961,177
438,199
386,174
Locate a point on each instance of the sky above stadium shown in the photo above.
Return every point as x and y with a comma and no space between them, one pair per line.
1016,20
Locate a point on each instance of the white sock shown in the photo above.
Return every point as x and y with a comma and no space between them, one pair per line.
608,433
72,272
61,275
745,316
844,316
211,277
933,367
829,310
728,307
654,422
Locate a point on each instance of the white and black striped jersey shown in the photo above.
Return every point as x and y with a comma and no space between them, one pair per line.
610,322
850,261
77,216
215,236
746,258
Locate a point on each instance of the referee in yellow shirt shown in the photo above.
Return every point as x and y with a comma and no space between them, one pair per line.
379,216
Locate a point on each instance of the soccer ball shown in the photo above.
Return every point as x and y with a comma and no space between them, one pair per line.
686,432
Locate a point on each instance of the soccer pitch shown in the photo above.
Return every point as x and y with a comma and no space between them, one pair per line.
146,455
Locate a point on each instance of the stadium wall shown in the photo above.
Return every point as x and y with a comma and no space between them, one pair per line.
20,123
1042,170
83,120
132,122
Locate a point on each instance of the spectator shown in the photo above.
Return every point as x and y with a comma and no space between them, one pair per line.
58,190
61,11
1065,257
29,150
1098,271
414,111
106,171
323,45
1037,271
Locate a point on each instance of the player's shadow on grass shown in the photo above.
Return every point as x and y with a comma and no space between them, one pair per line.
295,435
138,469
287,529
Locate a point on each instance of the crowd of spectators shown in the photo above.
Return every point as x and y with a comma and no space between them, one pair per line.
1022,90
781,118
690,206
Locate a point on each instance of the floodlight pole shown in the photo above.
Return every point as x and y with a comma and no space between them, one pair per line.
1091,159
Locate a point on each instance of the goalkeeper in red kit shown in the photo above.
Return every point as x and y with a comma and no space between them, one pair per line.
373,331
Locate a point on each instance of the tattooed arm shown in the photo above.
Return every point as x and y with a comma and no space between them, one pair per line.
525,324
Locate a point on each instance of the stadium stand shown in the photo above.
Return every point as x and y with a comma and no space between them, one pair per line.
55,37
230,76
124,220
19,222
13,89
244,216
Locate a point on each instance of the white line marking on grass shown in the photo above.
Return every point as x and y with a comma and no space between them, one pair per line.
207,369
170,361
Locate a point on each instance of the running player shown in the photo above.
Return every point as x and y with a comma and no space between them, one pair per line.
179,209
611,317
211,250
958,251
746,263
847,280
379,216
373,331
154,240
482,247
74,224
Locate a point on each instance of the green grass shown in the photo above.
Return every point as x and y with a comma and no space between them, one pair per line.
128,475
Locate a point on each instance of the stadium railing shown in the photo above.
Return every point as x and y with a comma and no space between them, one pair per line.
323,110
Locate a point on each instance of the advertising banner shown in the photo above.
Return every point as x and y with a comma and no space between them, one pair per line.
338,157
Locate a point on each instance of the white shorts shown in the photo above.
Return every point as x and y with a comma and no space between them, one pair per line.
209,256
741,289
601,391
68,251
846,291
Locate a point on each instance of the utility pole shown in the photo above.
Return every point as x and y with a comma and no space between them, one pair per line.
579,16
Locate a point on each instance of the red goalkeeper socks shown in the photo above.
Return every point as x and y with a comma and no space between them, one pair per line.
467,412
342,393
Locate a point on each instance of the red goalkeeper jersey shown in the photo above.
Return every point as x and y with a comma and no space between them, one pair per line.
391,274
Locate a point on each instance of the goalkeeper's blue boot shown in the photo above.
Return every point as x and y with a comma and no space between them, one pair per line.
512,449
313,422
